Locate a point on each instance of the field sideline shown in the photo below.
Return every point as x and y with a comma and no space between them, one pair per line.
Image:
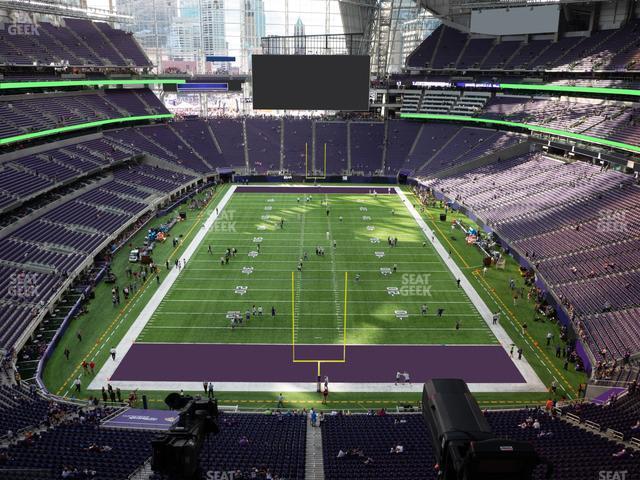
102,322
387,304
196,308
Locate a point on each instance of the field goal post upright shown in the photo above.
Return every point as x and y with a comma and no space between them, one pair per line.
313,176
319,361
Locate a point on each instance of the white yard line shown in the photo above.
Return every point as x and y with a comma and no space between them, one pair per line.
298,280
309,387
308,270
375,314
316,290
247,327
107,370
287,251
235,300
364,188
287,277
533,381
254,344
289,261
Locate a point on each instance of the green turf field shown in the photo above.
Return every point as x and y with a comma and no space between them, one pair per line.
196,308
104,322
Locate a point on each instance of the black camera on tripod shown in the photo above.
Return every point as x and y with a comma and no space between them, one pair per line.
176,452
465,446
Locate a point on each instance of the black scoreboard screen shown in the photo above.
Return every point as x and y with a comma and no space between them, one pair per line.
310,82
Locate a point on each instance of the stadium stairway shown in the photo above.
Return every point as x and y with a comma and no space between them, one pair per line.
188,146
314,462
507,153
606,433
425,164
311,159
110,44
349,146
146,135
245,146
213,138
144,472
40,212
157,161
115,106
282,144
6,377
385,142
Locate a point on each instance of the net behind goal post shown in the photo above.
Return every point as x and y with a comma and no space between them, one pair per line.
311,175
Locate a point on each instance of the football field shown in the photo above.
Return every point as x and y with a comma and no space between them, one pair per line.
381,288
282,285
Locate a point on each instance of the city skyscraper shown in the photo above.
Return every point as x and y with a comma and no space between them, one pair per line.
184,39
213,27
253,29
189,9
152,20
299,43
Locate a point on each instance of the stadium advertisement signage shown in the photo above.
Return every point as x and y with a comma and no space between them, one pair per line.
220,58
203,87
419,83
490,85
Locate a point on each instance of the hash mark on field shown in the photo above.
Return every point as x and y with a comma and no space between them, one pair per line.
364,290
251,327
219,300
336,296
351,314
298,282
286,278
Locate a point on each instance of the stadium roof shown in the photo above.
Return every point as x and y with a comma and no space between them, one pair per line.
458,12
64,8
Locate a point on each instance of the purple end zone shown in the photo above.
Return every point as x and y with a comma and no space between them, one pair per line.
273,363
316,189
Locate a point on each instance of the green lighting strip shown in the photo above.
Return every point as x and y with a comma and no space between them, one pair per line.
88,83
570,89
533,128
81,126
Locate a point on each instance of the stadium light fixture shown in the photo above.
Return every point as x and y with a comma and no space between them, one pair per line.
533,128
82,126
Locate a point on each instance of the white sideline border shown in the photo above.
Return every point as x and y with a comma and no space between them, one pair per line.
532,381
526,370
284,387
129,338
